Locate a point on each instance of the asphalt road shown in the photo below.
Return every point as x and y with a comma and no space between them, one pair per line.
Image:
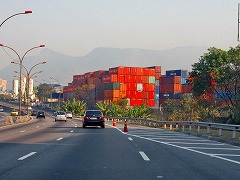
44,149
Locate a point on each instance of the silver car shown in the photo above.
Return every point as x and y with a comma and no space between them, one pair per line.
60,116
69,114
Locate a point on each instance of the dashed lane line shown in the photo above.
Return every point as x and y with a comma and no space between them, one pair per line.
22,131
144,156
59,139
26,156
130,139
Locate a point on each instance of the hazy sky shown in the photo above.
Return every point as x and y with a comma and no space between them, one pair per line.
75,27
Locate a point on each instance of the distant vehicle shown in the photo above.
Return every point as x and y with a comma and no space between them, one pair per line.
93,118
60,116
1,109
69,114
34,113
40,114
29,108
14,112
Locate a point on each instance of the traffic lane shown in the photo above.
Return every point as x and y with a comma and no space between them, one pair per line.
32,141
38,130
179,163
93,153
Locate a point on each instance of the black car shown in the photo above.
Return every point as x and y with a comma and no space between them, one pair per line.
93,118
40,114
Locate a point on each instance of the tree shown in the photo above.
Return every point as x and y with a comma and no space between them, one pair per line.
217,77
76,107
44,91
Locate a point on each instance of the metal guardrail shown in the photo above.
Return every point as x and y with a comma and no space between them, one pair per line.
182,125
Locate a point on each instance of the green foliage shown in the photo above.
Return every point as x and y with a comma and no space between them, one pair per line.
116,110
76,107
217,72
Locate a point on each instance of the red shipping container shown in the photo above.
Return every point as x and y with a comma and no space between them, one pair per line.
152,72
139,94
145,94
157,68
170,88
128,78
139,79
139,102
133,71
170,80
148,87
151,95
150,102
127,70
145,71
121,78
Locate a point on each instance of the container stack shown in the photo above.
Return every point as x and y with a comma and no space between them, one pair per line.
138,85
171,85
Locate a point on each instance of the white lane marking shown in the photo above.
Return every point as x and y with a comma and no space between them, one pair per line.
26,156
217,144
206,148
44,124
186,148
37,127
225,155
144,156
130,139
185,139
71,131
23,131
59,138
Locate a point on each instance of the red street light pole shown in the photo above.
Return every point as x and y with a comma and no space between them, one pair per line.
20,63
25,12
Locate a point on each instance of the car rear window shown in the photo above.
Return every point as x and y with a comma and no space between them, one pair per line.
96,113
60,113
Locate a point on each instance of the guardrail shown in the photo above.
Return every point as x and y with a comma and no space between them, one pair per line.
182,125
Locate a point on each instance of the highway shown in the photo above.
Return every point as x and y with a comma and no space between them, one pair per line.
44,149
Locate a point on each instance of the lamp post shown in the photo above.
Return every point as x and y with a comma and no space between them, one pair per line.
25,12
20,63
59,92
28,77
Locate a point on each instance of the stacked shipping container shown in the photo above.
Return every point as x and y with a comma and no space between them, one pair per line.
137,84
173,85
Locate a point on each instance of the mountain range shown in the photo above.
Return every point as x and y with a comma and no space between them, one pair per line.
60,68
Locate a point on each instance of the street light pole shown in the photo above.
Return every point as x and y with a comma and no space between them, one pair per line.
20,63
28,77
25,12
59,92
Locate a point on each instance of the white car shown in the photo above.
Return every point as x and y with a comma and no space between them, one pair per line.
1,109
61,116
69,114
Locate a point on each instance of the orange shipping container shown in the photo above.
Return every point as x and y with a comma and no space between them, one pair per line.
148,87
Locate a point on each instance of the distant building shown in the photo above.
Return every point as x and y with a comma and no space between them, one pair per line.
3,85
15,88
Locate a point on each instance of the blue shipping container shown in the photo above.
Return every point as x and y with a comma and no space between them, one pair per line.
180,72
183,80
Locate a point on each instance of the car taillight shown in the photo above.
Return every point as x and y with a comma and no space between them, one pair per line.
101,117
86,117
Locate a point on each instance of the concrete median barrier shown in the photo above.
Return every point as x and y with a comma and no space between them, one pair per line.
21,119
9,120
